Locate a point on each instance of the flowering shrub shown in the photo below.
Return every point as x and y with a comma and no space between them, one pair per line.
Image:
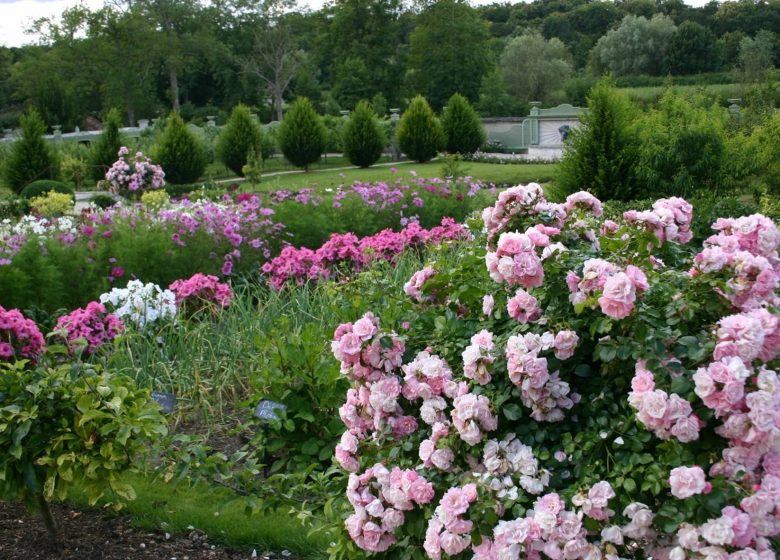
141,303
52,204
201,291
155,200
578,388
347,253
130,176
20,337
89,328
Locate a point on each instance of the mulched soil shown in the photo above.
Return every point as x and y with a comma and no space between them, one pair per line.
90,535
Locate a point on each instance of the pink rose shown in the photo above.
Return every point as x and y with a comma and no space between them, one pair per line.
687,481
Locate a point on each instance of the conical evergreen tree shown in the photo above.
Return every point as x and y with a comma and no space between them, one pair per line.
462,126
31,159
362,138
104,152
302,135
420,134
241,136
181,154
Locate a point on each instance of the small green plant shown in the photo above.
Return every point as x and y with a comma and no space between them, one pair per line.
52,204
302,135
452,166
155,200
103,153
103,201
181,154
30,158
253,170
73,424
74,170
362,137
420,134
241,136
462,126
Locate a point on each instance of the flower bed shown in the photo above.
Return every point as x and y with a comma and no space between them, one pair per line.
571,388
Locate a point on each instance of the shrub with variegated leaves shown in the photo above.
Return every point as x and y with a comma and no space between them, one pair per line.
577,388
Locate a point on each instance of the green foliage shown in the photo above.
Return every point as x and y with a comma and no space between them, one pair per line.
534,67
31,158
602,153
638,46
494,98
766,143
104,152
756,56
462,126
692,49
241,135
420,134
72,424
448,52
103,200
52,204
683,148
39,188
180,152
13,207
363,139
302,135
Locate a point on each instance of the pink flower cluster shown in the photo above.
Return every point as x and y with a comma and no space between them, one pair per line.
595,503
20,337
347,251
515,260
548,528
380,498
670,220
508,462
132,175
202,288
544,393
92,324
478,359
516,206
665,415
584,201
605,284
523,307
448,531
413,287
688,481
471,417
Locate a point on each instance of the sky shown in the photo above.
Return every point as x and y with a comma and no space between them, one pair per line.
17,15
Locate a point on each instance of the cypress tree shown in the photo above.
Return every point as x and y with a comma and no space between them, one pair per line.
420,134
302,135
30,159
241,136
181,154
363,139
462,126
104,152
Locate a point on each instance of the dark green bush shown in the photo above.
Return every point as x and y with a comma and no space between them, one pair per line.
103,201
30,158
241,135
177,191
180,152
462,126
39,188
302,136
104,152
363,139
420,134
13,207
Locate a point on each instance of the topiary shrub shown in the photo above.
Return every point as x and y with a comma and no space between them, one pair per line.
241,135
181,154
363,139
103,201
30,158
40,188
462,126
420,134
103,152
302,136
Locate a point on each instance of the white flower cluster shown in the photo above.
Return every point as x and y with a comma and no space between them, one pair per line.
141,303
508,461
32,225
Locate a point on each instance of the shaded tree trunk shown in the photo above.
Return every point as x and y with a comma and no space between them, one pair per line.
174,79
48,521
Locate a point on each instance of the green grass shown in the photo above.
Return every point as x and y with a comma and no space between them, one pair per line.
218,171
175,508
490,172
650,94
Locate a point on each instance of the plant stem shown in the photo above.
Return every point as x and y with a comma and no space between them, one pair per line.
48,520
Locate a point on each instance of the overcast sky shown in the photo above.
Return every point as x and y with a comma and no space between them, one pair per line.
17,15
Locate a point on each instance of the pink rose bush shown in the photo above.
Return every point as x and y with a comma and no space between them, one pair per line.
579,389
89,328
20,337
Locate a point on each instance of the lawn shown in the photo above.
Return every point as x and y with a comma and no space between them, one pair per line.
217,170
491,172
